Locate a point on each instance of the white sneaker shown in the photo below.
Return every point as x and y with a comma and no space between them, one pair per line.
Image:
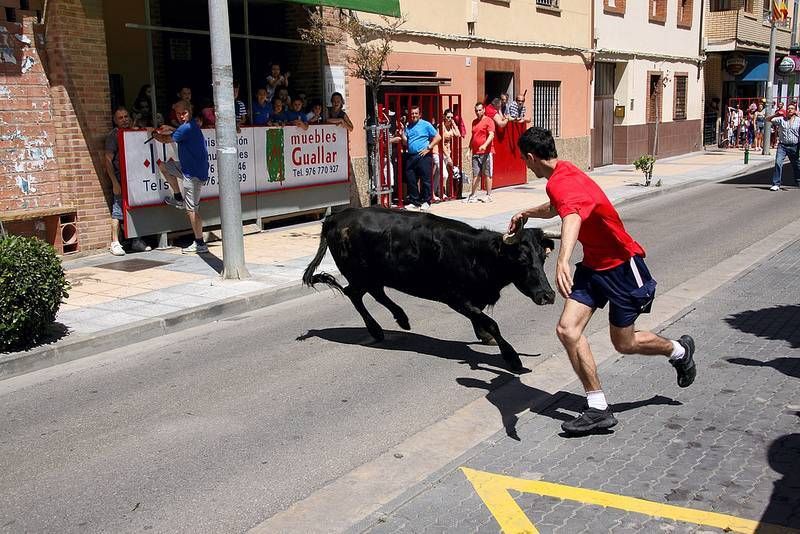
194,248
775,188
137,245
488,198
116,249
411,207
425,207
472,200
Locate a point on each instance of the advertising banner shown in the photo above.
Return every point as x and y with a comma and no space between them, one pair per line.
270,159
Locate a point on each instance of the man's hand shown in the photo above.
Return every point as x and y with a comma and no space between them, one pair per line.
516,223
564,279
483,147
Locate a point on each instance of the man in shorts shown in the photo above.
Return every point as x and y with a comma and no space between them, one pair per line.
191,171
482,147
612,271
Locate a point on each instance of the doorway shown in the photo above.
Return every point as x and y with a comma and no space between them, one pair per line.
603,124
497,83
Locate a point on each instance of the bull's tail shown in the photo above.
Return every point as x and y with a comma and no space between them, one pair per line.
309,278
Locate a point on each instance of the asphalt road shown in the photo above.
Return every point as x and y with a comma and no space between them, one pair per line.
217,428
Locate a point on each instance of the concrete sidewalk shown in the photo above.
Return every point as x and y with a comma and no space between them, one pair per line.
115,301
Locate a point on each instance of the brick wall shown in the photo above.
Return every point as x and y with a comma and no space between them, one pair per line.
77,69
28,171
614,7
657,11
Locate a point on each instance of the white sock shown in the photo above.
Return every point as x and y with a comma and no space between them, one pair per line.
678,351
596,399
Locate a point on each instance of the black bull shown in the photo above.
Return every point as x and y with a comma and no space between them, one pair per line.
432,258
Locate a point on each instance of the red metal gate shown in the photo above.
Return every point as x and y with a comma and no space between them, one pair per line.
395,108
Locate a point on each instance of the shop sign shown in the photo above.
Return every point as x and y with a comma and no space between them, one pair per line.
270,159
785,65
736,63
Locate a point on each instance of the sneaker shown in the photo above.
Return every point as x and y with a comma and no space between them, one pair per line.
412,207
775,188
137,245
589,420
685,366
435,198
194,248
488,198
425,207
116,249
471,200
175,203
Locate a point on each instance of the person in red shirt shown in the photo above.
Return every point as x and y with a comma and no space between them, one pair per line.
482,153
612,271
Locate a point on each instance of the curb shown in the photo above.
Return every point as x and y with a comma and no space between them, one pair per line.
81,346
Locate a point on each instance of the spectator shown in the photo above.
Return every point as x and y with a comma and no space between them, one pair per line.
420,138
279,116
283,94
760,116
276,79
302,97
141,111
122,120
191,169
241,108
184,95
208,114
337,115
516,110
262,108
450,132
295,115
315,115
493,112
482,148
503,109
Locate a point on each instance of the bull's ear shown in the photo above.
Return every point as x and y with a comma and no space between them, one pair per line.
548,244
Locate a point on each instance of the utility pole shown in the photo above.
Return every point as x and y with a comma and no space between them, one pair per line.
793,46
773,42
230,200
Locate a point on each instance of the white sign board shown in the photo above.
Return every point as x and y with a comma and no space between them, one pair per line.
270,159
334,82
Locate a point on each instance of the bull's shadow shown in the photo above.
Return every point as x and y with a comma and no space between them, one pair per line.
512,397
788,366
783,509
410,341
777,323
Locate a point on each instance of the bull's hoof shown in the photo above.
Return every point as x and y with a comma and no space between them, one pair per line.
489,340
514,364
403,323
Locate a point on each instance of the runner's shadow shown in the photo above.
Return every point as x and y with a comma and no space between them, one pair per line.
783,509
762,323
409,341
512,397
786,365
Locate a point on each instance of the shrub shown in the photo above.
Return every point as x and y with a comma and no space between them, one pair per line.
645,163
32,284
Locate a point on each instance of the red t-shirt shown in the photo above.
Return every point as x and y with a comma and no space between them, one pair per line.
480,133
605,242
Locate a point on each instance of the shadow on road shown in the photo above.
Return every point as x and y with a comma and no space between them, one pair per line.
777,322
787,366
440,348
783,509
512,397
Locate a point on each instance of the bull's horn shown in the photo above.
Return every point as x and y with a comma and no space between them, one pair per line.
510,239
552,234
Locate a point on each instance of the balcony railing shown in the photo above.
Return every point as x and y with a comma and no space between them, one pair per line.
547,3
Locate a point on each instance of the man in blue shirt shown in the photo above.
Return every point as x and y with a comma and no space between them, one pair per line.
192,170
421,138
296,116
262,108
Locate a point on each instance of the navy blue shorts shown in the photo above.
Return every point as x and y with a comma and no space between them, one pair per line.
629,287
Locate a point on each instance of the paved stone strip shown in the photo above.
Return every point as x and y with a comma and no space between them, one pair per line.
730,444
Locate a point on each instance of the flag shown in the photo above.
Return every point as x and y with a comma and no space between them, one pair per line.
780,11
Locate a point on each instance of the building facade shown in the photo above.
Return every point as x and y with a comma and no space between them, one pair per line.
648,79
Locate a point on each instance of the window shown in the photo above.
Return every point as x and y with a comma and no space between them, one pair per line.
722,5
654,92
547,3
679,109
547,106
658,11
685,8
614,7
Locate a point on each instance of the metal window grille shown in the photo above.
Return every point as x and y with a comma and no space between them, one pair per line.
547,106
547,3
680,97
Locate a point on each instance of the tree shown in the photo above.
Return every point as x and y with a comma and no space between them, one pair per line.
368,48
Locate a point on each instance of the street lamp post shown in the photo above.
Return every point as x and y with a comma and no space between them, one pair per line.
773,42
230,201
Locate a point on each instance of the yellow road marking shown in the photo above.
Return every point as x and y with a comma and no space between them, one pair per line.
493,489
